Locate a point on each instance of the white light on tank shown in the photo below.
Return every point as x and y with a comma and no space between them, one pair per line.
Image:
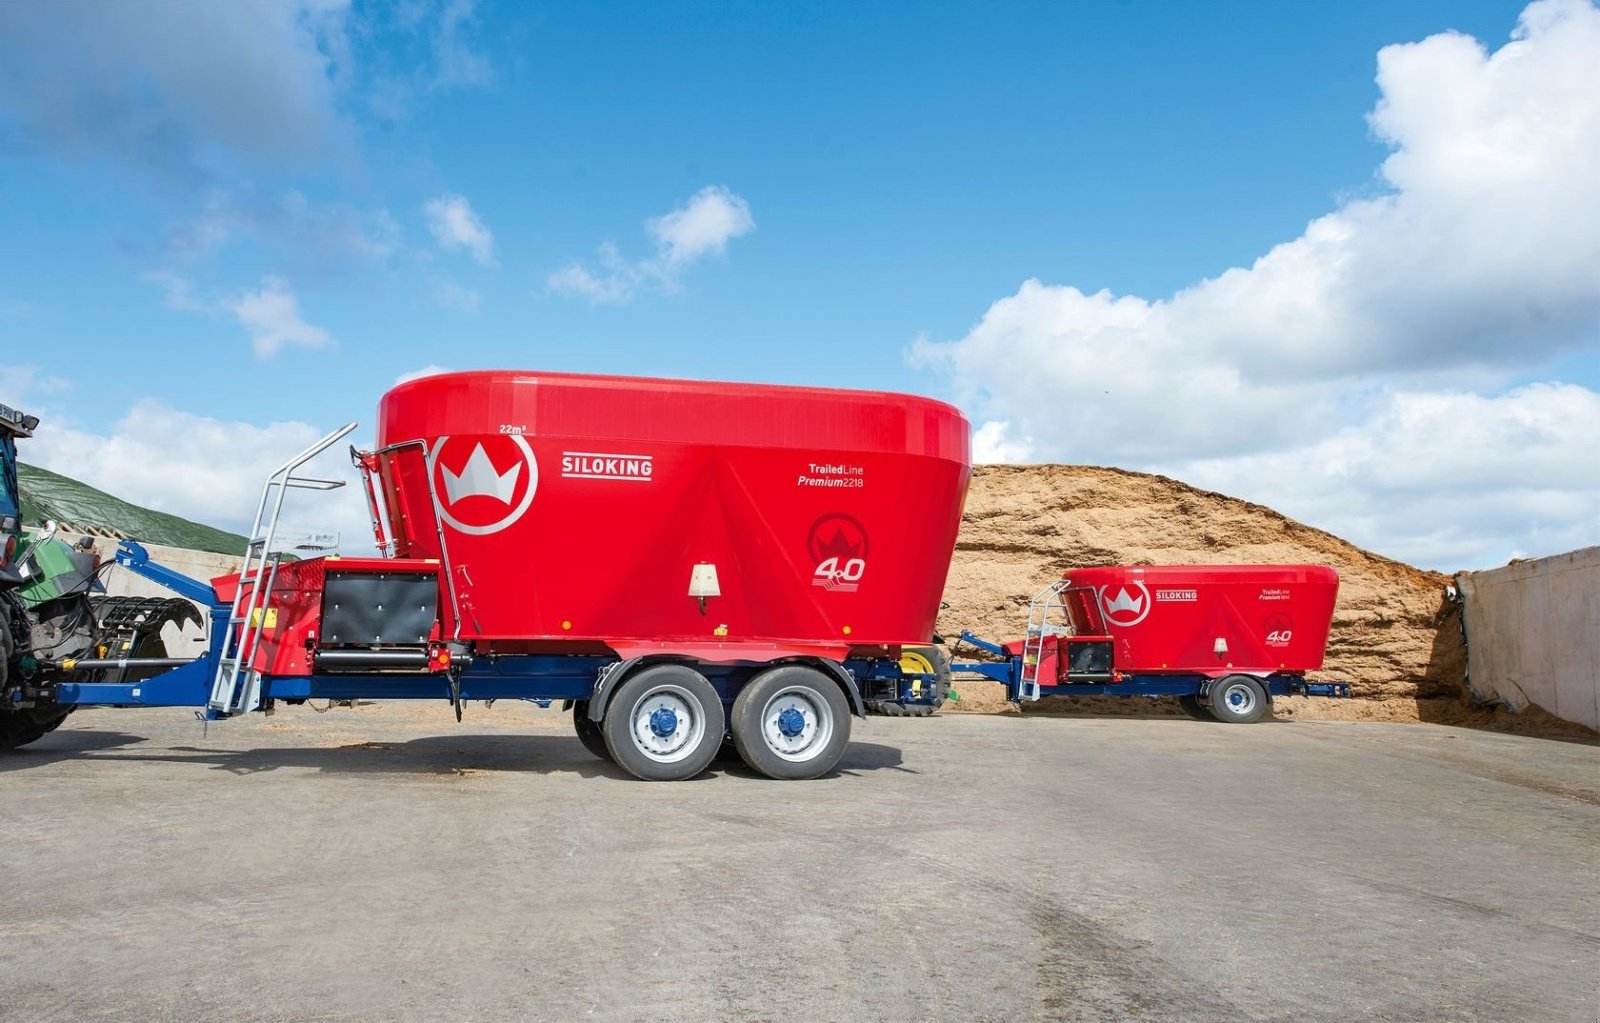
703,583
1220,647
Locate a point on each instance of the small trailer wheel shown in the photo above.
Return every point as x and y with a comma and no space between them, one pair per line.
921,660
1238,699
589,732
1195,708
664,723
791,723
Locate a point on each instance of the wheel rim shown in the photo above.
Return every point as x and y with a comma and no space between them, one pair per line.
1239,698
796,724
666,724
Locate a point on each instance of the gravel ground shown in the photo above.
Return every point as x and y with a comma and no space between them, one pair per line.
386,863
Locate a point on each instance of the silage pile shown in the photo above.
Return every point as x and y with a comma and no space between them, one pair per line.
1395,636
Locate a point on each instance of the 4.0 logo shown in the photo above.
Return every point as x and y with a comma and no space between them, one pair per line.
1280,630
838,547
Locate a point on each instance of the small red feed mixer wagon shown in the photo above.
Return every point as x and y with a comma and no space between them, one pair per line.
1224,639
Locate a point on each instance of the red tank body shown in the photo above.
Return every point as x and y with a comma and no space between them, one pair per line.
1209,620
575,509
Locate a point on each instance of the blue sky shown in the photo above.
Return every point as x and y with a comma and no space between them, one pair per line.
227,227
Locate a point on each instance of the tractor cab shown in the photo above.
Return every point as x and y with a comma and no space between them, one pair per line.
13,424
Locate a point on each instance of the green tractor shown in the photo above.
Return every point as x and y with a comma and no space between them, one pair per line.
54,611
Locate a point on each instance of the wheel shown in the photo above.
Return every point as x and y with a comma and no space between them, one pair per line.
791,722
20,727
589,732
17,730
53,722
665,723
919,660
1238,699
1195,708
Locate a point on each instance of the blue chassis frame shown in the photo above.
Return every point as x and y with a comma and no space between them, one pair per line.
540,678
1009,674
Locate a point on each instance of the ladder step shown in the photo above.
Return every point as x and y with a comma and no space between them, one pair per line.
312,483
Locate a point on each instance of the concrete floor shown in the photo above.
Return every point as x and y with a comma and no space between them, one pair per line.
387,864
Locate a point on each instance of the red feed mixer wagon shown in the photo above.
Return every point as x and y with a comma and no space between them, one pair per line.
1224,639
687,563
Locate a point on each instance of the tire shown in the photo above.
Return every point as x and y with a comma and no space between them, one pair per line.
589,732
935,659
664,723
16,729
20,727
53,722
1195,707
791,723
1238,700
8,645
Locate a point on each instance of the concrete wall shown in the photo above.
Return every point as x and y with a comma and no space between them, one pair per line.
1533,634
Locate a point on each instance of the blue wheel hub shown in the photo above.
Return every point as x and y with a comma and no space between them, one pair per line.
663,722
791,722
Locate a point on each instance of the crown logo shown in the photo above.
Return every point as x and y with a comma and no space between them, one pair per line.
479,478
1124,603
839,546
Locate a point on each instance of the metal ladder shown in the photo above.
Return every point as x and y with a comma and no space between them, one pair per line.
236,686
1040,629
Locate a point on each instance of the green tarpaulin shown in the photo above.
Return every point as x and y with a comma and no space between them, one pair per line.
46,495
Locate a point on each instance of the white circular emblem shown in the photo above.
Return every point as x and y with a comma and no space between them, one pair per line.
1126,606
485,492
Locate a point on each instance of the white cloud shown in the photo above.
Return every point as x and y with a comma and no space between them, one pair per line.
454,295
437,53
204,469
20,385
325,237
458,64
455,226
992,442
180,293
1480,264
272,316
270,313
418,374
702,226
1456,480
173,86
615,283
